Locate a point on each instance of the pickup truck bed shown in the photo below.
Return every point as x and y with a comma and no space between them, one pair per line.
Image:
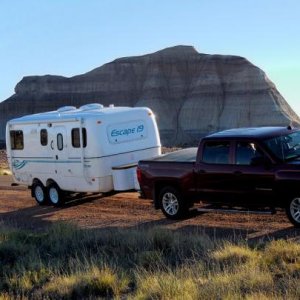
185,155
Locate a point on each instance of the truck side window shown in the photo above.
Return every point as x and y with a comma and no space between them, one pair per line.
76,137
245,152
44,137
16,140
216,153
60,142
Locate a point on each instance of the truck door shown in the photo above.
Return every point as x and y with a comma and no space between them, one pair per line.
215,179
254,177
59,150
234,172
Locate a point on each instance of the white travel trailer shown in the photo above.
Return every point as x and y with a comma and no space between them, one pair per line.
90,149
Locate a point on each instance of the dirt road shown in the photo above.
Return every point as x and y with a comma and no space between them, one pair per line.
17,208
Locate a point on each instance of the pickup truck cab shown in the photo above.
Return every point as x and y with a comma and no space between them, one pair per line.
244,169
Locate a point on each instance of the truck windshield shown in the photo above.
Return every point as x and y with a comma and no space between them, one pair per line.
286,147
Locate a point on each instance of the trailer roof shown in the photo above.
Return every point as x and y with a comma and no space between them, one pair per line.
69,113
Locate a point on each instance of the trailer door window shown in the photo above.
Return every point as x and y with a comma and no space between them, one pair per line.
76,137
60,142
44,137
16,140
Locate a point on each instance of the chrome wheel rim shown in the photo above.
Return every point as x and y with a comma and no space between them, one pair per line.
53,195
39,193
295,209
170,204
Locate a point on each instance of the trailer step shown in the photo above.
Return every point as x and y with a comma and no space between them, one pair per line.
237,211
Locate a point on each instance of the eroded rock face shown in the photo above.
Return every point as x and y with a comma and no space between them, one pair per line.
192,94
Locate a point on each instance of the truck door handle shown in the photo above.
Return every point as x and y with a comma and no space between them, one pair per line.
56,156
51,145
238,173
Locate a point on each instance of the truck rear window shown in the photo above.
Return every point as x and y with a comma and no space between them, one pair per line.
16,140
216,153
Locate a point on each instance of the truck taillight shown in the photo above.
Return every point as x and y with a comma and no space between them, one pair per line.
139,174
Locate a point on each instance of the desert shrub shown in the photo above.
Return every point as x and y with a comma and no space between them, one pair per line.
244,281
282,258
230,256
150,260
94,282
165,285
5,296
10,252
24,283
162,240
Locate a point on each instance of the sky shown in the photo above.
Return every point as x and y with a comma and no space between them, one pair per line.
71,37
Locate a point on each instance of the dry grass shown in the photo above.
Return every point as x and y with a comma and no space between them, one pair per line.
71,263
231,254
4,172
4,169
166,285
94,282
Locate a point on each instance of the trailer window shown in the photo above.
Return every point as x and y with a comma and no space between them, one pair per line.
44,137
60,142
16,140
76,137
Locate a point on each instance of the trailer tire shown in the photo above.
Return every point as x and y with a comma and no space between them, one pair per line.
172,204
39,193
55,195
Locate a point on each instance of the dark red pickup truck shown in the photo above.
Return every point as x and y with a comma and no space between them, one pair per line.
246,169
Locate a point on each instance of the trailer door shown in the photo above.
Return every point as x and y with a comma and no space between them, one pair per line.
59,150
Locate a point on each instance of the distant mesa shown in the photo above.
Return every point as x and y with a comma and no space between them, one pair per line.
191,93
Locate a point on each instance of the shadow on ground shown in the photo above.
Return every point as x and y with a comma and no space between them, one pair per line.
37,218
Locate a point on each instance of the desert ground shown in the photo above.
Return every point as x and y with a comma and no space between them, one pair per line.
18,208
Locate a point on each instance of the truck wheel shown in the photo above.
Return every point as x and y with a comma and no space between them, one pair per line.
172,205
39,193
55,195
293,211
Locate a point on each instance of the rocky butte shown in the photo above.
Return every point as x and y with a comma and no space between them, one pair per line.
191,93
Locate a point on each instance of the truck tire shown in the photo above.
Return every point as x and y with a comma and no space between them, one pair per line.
55,195
293,211
172,204
39,193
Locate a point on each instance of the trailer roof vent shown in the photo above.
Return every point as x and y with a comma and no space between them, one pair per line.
91,106
66,108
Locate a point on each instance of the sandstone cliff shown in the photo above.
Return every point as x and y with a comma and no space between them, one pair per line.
191,93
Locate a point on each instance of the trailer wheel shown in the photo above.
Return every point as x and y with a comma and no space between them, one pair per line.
293,211
172,204
55,195
39,193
